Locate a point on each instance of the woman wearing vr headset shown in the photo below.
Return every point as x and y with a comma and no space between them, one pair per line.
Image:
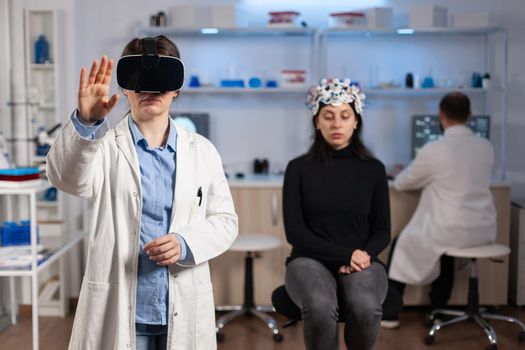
337,219
161,207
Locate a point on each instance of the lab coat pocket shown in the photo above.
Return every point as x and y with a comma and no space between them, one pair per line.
205,318
198,207
95,324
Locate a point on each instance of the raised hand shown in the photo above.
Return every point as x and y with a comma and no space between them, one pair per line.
93,93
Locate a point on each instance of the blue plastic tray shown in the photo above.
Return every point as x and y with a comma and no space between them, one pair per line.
19,171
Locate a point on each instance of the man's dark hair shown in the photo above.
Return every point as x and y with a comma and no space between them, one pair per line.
455,106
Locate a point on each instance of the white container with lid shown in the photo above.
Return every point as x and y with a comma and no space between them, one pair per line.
348,20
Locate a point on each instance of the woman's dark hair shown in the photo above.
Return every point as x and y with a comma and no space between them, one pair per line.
320,149
165,47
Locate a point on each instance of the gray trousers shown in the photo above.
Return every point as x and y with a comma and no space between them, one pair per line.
321,296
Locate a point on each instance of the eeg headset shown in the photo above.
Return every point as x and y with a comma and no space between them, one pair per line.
150,72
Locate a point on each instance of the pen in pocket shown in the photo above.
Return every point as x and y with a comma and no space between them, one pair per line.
199,194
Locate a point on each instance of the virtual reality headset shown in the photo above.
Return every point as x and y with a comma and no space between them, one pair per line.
150,72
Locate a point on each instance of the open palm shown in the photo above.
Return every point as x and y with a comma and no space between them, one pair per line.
94,102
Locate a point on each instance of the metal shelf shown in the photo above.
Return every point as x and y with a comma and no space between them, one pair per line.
42,66
46,261
248,90
47,204
364,32
230,32
420,92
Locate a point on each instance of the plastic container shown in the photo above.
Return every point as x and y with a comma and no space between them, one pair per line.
13,233
283,19
42,50
348,19
291,77
20,171
473,20
428,16
232,83
380,18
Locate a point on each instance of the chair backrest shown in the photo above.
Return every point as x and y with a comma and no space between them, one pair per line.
284,305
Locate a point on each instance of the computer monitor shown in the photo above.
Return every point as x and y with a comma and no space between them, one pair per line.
196,122
426,128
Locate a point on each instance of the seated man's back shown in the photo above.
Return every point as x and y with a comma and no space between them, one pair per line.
456,208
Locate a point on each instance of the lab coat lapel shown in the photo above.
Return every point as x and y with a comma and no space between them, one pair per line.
184,166
125,144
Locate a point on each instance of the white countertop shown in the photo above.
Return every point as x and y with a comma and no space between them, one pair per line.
257,180
262,181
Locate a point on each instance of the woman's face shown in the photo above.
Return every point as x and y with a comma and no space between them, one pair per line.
337,124
145,106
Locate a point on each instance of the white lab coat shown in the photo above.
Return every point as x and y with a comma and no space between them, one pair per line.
456,208
106,170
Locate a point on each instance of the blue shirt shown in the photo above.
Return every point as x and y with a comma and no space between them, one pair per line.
157,170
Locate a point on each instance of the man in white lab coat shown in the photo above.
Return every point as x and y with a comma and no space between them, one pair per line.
456,208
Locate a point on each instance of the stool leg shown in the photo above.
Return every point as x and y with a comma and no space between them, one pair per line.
248,281
487,328
447,312
439,325
264,308
270,322
504,318
221,322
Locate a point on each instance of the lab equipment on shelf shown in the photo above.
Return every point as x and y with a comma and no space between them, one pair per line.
13,233
42,50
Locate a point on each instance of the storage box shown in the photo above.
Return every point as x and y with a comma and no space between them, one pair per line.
473,20
348,20
223,16
190,16
293,77
428,16
283,19
13,233
379,18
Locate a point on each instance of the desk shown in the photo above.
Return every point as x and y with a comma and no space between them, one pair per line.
258,203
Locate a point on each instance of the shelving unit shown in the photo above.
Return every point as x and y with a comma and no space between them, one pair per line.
354,40
41,78
233,33
452,53
36,266
42,86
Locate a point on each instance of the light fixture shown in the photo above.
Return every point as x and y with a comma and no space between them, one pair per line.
405,31
209,31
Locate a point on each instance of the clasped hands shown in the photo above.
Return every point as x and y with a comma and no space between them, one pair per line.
359,261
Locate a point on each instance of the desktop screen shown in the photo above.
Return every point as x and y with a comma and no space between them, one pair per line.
425,128
196,122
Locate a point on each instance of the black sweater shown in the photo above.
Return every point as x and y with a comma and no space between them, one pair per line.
332,208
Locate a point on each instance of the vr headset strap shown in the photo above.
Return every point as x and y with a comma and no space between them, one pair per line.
150,47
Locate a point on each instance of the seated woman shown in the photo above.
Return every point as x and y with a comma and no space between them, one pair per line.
337,219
